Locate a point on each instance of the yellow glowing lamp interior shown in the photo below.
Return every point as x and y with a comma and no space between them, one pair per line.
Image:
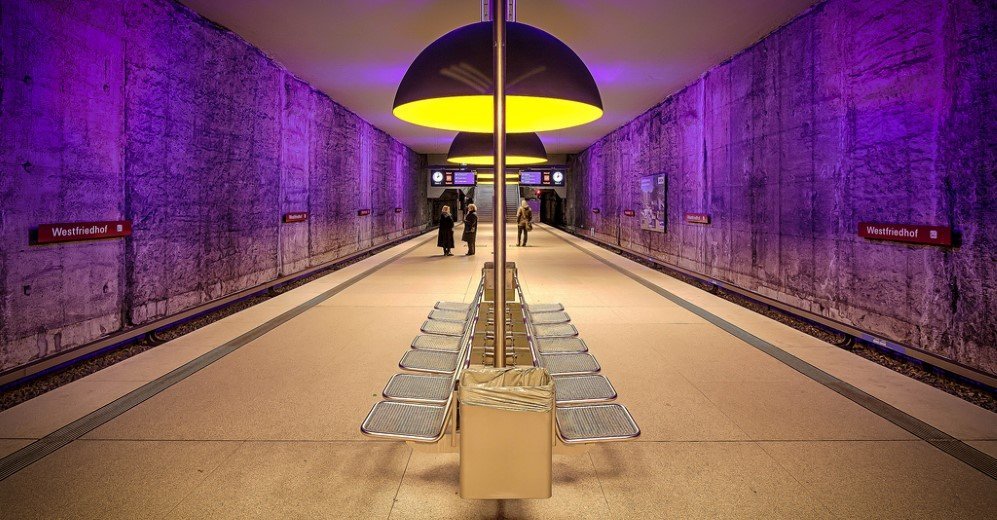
474,113
487,160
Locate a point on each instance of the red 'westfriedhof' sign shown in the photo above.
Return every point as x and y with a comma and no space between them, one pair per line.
629,212
74,231
934,235
363,212
697,218
296,216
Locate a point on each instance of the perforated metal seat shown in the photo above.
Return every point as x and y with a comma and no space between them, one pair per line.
432,361
567,364
436,342
419,388
555,330
595,423
583,389
444,328
442,315
545,307
453,306
405,421
549,317
551,345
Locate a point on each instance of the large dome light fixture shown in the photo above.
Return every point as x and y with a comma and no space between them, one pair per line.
450,85
479,149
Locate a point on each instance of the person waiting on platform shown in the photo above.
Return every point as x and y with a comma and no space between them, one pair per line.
445,239
470,228
524,219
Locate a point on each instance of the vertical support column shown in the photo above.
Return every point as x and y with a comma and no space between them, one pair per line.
498,40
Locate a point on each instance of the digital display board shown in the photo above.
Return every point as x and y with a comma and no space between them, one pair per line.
542,178
441,177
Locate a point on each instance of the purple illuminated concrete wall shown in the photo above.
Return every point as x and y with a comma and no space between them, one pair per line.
141,110
870,110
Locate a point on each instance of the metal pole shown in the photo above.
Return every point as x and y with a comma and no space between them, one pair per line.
498,40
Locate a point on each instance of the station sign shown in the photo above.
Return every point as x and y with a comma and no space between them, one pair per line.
363,212
697,218
295,216
446,178
542,178
596,211
398,210
909,233
629,212
76,231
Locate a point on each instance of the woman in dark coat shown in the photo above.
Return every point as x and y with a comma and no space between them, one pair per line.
470,228
445,239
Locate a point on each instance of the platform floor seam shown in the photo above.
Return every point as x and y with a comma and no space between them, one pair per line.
958,449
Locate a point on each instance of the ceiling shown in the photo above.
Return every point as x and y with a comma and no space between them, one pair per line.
640,51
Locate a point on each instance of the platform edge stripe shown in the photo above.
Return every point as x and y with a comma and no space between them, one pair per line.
24,457
958,449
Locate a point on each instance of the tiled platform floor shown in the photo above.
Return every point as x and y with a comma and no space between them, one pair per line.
271,430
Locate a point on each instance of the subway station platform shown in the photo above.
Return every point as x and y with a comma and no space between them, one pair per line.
257,415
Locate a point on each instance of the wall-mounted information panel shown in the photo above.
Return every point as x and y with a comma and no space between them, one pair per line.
542,178
444,178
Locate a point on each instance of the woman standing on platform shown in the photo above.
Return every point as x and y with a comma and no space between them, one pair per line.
445,239
470,228
524,221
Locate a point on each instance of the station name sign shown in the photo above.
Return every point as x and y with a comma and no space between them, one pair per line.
398,210
629,212
912,234
296,216
75,231
596,211
363,212
697,218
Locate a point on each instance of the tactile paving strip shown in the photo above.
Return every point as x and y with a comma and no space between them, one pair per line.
434,361
582,389
405,420
545,307
565,364
549,317
436,342
446,328
453,306
442,315
419,387
555,330
549,345
598,422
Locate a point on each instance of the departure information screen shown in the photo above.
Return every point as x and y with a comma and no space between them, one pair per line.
452,178
541,178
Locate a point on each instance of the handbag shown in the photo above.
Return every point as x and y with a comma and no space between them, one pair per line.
529,225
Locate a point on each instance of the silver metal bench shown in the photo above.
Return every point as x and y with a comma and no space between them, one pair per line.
442,315
432,361
419,388
443,328
436,342
569,363
555,330
595,423
536,308
406,421
552,345
453,306
544,318
582,389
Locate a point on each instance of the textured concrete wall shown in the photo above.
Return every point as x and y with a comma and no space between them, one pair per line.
141,110
864,110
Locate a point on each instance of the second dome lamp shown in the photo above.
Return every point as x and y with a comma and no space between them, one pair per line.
479,149
450,84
